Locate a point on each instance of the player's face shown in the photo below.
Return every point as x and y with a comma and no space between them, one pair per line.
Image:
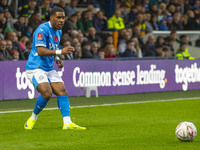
57,20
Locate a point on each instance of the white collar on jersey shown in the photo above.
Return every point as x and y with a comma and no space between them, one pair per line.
50,24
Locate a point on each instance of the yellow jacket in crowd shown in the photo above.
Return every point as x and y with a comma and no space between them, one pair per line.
116,23
183,54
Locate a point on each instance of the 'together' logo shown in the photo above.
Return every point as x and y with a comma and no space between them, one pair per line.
187,75
24,83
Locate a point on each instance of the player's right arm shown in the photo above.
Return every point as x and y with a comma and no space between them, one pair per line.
42,51
42,36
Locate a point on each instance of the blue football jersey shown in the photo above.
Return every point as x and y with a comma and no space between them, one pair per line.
47,37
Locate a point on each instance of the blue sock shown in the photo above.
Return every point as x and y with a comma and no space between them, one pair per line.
39,105
63,105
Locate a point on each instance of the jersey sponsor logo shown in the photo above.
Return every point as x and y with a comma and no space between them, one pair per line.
55,38
40,35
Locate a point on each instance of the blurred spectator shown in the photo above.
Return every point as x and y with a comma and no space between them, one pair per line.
146,5
160,15
170,44
167,51
123,43
184,19
78,14
9,46
2,21
14,55
121,33
153,9
4,54
80,37
22,42
130,31
187,5
136,34
149,49
92,37
62,4
34,21
176,23
116,22
4,6
71,8
197,42
154,22
29,32
141,24
13,37
130,50
21,4
45,10
70,24
160,40
26,24
171,9
9,19
132,15
85,23
91,9
125,10
184,39
20,26
147,21
94,50
100,22
191,21
65,37
197,4
107,40
172,36
27,51
110,51
169,22
163,6
52,4
159,50
137,48
163,25
183,53
86,53
73,34
66,44
77,53
29,8
101,54
153,2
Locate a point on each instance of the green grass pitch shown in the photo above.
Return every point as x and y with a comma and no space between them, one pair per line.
141,126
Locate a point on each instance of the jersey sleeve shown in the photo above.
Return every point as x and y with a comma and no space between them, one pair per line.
41,37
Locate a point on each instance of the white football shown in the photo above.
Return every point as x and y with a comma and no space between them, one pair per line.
186,131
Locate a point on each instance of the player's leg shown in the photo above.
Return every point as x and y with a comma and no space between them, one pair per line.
46,93
64,106
40,81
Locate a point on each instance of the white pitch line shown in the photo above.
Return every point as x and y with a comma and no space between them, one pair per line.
100,105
